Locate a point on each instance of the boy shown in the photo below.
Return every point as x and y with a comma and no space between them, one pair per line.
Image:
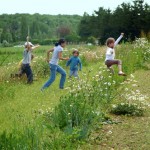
110,55
74,61
27,55
20,69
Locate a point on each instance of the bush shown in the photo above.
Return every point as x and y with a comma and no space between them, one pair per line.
73,116
127,109
35,41
91,40
5,44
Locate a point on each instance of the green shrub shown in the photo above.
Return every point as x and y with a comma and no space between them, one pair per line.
127,109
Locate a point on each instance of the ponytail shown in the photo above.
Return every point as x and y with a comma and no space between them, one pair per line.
56,44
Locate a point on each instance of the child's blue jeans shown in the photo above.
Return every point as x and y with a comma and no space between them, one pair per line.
54,69
27,70
74,73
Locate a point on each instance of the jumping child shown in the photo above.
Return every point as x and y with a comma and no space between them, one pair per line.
54,67
110,55
27,56
74,62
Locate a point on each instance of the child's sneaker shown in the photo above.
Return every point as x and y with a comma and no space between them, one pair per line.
122,74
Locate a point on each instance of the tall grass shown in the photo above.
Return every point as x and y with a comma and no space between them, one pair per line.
80,111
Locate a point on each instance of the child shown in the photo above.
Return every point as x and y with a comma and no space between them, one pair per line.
27,54
110,55
74,61
54,67
20,67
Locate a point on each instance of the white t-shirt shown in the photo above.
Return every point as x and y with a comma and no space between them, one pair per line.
26,43
27,54
110,52
55,56
26,57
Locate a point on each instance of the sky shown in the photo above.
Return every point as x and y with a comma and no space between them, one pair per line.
55,7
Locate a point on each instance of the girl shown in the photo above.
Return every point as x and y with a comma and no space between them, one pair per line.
110,55
54,67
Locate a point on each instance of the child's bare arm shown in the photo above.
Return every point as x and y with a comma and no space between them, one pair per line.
118,40
61,58
34,47
48,53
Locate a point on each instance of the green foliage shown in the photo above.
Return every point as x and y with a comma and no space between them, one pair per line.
127,18
72,38
14,28
28,139
5,44
79,111
127,109
92,40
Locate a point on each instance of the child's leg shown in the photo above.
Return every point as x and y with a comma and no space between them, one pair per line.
52,76
109,64
75,74
111,69
29,74
120,68
63,76
71,73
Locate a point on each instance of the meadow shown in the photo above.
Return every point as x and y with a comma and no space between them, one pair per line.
100,111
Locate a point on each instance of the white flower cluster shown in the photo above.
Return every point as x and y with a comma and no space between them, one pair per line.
143,44
133,95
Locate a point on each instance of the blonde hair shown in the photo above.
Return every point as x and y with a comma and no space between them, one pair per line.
109,41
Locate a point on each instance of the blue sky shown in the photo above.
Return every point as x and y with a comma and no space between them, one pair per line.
55,7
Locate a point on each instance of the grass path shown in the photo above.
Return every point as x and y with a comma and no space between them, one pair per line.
133,133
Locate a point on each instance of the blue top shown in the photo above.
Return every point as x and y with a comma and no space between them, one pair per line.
74,62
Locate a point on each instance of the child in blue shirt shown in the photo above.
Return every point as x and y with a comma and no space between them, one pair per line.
74,62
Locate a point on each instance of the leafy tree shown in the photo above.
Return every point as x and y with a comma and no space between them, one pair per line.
63,31
24,28
131,18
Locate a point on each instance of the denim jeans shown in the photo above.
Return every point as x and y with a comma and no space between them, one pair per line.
54,69
74,73
27,70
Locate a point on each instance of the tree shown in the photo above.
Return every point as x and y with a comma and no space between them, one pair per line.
24,28
63,31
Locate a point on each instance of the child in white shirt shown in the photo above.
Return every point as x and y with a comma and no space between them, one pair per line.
110,55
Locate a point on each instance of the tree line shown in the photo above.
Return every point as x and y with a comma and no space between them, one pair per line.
45,28
131,18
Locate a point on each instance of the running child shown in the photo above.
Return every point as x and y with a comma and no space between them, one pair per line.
20,68
74,62
110,55
27,56
54,67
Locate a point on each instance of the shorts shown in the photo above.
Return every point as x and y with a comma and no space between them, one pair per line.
109,63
